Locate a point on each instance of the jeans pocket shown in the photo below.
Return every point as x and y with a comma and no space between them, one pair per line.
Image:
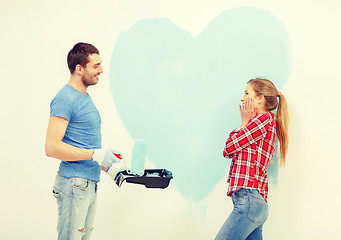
59,198
80,183
258,210
57,195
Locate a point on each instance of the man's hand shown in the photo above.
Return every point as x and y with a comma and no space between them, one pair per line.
105,157
115,168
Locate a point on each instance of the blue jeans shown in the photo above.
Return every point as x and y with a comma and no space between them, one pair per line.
247,218
76,200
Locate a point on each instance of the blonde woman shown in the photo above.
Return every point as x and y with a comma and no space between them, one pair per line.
251,147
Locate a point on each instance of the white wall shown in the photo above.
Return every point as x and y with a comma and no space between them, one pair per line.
35,38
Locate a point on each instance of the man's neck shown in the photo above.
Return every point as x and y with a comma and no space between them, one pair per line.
77,84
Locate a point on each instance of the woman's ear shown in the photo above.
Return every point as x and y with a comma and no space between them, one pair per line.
260,99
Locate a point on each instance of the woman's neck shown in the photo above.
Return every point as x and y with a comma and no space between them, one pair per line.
261,111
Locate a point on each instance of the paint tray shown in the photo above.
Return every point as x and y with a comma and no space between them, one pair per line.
152,178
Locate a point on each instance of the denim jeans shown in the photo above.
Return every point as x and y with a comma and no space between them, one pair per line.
76,200
247,218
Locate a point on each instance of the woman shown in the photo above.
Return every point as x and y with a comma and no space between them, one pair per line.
251,148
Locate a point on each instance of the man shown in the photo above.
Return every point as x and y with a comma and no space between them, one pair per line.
73,136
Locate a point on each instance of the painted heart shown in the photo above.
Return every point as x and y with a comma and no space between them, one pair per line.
180,93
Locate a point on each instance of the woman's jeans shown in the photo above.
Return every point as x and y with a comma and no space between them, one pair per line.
76,200
247,218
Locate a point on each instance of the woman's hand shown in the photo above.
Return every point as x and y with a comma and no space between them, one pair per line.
247,111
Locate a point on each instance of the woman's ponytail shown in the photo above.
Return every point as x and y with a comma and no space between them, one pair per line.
282,120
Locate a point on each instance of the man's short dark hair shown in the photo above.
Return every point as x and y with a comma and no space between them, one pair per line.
79,55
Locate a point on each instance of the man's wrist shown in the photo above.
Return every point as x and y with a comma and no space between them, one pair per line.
97,155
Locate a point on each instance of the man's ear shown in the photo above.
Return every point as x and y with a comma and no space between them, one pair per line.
79,69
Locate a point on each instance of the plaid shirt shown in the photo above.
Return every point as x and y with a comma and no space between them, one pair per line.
251,149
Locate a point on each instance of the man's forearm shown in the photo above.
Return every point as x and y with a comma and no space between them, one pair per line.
67,152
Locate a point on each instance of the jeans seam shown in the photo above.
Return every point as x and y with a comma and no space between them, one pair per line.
70,214
234,224
240,213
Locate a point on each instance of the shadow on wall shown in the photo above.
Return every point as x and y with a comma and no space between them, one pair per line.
180,93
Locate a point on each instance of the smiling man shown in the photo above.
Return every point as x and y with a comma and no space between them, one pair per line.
74,137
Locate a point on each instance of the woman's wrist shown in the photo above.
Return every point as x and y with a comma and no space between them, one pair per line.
244,123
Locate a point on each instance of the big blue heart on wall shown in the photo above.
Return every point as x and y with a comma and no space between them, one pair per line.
180,93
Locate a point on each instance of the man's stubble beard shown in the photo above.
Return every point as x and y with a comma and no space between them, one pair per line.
87,81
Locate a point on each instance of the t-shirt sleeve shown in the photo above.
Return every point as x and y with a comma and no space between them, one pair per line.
61,106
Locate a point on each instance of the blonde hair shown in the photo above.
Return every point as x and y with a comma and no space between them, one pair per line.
264,87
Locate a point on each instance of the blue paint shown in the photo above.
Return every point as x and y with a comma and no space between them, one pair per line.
273,166
181,93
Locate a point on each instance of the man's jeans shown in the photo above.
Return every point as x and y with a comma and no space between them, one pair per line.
247,218
76,199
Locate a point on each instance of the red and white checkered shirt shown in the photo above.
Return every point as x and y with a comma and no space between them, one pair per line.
251,149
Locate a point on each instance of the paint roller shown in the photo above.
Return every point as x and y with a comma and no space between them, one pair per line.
137,161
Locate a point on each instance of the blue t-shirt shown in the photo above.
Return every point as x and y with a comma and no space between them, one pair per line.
83,131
